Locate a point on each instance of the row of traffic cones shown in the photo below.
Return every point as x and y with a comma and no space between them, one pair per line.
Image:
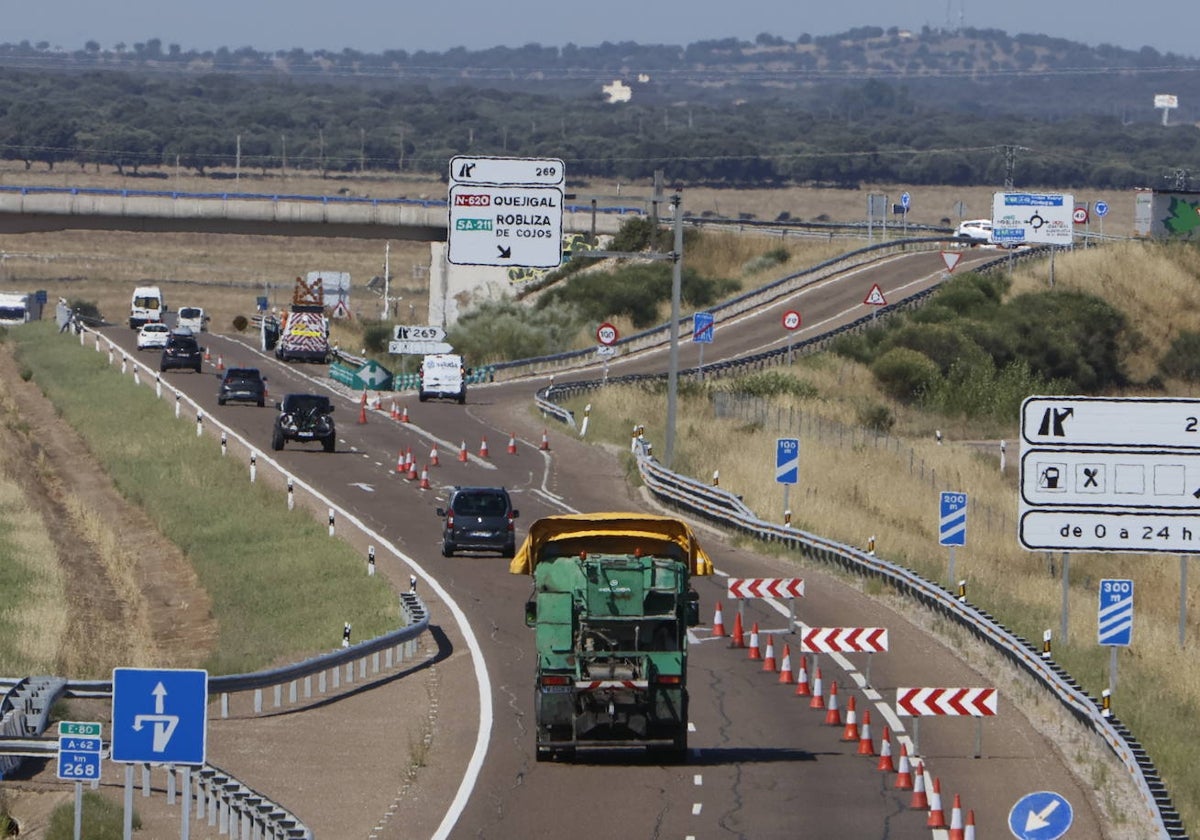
907,778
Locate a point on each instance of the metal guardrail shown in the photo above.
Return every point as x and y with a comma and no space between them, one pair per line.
725,509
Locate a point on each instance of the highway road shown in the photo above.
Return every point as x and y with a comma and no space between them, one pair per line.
763,763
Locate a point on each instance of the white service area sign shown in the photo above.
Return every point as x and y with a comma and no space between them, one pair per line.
1110,474
546,172
1032,218
505,226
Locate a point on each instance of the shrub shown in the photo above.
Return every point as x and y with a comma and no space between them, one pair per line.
772,383
877,417
905,374
240,323
376,336
1182,360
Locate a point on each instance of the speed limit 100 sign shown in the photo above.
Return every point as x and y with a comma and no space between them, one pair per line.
791,320
606,334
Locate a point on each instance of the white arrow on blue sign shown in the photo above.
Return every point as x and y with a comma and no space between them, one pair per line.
787,461
952,519
159,715
1115,617
702,327
1044,815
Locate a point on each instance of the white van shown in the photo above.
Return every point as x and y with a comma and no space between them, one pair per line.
146,305
443,376
191,318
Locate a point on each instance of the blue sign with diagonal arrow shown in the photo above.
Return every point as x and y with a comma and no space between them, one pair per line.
952,519
1115,616
1044,815
159,715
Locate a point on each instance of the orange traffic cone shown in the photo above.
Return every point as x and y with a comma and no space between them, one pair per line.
433,456
904,778
769,663
818,699
395,412
483,450
937,817
362,408
412,467
785,670
739,635
462,452
404,415
885,752
207,355
969,832
755,653
425,477
400,462
545,447
802,689
850,732
865,746
956,820
833,715
512,444
220,362
718,622
919,800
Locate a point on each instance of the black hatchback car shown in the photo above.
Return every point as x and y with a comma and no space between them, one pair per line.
182,351
479,519
243,385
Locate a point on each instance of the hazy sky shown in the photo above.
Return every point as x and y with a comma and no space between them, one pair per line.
375,25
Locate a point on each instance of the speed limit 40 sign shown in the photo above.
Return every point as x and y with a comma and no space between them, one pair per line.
606,334
791,320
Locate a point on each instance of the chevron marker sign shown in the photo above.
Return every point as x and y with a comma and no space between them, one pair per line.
844,640
918,702
766,587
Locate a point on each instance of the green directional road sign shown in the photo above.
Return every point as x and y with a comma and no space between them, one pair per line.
82,730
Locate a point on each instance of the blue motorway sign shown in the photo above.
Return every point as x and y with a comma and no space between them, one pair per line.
787,461
78,758
1044,815
1115,616
702,327
159,715
952,519
905,200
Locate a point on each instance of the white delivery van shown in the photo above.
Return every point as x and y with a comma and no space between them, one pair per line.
443,376
16,308
147,305
191,318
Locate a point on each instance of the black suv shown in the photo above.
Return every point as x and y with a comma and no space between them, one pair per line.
479,519
182,351
243,385
304,418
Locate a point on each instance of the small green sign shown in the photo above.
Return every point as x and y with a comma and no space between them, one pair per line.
472,224
72,727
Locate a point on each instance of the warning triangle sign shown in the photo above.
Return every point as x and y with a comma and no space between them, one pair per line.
875,297
951,258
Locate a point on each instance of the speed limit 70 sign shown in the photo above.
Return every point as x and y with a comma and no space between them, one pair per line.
791,320
606,334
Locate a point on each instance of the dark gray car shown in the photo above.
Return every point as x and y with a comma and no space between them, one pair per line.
479,519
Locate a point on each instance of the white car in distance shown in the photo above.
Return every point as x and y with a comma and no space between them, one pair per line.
975,230
153,336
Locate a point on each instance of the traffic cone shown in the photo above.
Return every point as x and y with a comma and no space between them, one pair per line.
833,715
400,462
412,467
395,413
802,689
885,752
904,778
362,408
207,355
969,831
433,456
739,634
718,622
937,818
404,415
425,477
545,447
769,663
785,670
865,746
956,820
220,362
512,444
483,450
818,699
919,800
850,732
462,452
755,653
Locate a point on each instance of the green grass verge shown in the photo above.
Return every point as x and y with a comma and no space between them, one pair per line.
280,587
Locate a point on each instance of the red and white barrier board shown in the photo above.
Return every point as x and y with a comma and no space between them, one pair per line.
917,702
766,587
844,640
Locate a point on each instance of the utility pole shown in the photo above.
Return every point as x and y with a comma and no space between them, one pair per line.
1010,163
676,287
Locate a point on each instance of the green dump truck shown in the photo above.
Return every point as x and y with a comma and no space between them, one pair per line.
611,606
